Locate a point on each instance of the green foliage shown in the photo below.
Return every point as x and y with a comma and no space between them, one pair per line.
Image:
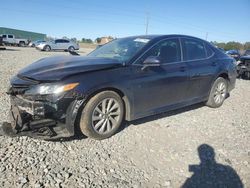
84,40
74,39
232,45
247,45
98,40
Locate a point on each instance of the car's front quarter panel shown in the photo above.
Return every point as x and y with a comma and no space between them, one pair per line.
117,79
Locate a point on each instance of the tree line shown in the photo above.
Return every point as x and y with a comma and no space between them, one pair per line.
224,45
232,45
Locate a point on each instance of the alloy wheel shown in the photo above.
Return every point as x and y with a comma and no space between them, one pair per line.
106,115
220,92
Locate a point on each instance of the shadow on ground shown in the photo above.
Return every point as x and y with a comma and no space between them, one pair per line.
210,174
8,49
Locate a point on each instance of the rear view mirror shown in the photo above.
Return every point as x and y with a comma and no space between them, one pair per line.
151,61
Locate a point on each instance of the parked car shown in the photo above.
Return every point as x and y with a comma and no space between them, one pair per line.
247,53
12,40
35,43
58,44
126,79
234,53
1,44
243,66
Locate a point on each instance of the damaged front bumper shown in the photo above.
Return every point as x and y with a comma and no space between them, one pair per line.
42,118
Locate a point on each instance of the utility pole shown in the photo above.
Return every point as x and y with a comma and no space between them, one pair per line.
206,35
147,22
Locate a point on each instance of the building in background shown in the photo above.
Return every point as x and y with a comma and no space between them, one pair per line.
32,36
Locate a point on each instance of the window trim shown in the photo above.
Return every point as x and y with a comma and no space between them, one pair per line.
178,38
207,57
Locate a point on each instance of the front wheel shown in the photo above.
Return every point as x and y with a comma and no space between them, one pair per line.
47,48
218,93
102,115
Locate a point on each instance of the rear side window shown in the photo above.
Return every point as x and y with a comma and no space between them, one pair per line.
209,51
193,49
10,36
58,41
167,50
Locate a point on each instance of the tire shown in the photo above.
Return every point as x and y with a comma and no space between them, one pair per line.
71,49
21,44
47,48
218,93
105,124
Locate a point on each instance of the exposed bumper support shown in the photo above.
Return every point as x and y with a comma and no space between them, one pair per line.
243,71
39,120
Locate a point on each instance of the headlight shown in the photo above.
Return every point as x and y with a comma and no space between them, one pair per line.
46,89
237,62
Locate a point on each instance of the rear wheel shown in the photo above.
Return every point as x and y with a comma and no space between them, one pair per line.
21,44
102,115
71,49
218,93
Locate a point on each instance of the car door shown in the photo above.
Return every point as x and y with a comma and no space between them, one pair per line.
157,88
65,45
11,39
202,67
58,44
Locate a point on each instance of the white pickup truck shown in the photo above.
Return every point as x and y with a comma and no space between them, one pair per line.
10,39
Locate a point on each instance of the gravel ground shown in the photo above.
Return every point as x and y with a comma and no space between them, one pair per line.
150,152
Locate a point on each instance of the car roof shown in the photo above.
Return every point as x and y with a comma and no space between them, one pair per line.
162,36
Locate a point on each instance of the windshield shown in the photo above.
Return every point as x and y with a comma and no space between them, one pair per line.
121,49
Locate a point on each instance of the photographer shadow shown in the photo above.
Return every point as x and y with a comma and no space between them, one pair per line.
209,173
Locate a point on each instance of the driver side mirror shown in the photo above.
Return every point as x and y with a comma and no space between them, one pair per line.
151,61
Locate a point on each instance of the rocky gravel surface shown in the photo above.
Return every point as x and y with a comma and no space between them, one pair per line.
158,151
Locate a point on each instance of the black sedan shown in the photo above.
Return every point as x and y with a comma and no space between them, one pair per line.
126,79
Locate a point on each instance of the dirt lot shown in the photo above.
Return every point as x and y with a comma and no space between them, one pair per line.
150,152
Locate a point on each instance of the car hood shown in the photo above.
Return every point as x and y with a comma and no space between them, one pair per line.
245,57
59,67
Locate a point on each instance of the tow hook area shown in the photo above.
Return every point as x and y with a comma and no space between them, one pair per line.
6,129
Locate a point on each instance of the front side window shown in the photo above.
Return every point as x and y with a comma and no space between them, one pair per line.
167,50
10,36
193,49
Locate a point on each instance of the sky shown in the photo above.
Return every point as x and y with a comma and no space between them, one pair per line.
214,20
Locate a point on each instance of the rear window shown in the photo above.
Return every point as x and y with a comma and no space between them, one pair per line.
193,49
